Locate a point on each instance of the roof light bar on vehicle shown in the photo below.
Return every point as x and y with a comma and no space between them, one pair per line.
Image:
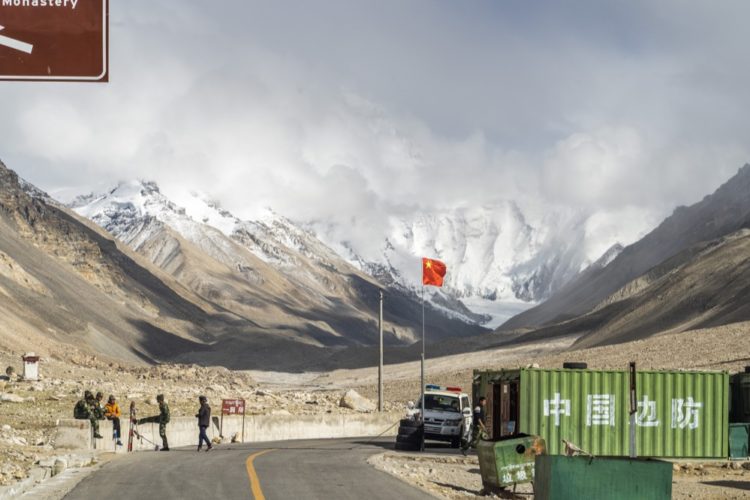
434,387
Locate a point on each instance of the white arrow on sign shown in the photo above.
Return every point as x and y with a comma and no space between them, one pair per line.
15,44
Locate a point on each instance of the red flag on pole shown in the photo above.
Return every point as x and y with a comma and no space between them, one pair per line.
433,272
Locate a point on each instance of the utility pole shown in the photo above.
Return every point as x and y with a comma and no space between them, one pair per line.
421,378
380,365
633,409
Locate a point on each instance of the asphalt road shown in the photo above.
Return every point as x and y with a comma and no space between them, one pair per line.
316,469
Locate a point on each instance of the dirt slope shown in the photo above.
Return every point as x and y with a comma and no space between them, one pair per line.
725,211
706,285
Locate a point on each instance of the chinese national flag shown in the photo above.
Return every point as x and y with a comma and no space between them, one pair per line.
433,272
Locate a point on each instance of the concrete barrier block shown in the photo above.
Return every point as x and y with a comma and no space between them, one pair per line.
373,424
285,427
183,431
72,434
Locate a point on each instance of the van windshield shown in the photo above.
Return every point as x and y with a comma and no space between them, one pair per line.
441,403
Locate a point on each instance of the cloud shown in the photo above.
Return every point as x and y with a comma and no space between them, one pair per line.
594,169
354,111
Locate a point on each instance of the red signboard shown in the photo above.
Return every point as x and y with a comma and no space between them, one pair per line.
54,40
232,406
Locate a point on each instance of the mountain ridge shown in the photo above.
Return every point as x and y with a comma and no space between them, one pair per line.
716,215
303,274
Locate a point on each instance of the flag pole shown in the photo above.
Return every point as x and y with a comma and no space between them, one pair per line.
380,364
421,447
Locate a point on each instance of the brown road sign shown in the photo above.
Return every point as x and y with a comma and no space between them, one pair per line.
54,40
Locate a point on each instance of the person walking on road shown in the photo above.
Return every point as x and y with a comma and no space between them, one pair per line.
112,412
162,419
204,420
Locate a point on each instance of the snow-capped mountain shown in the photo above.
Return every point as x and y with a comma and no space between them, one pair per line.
499,262
270,269
126,210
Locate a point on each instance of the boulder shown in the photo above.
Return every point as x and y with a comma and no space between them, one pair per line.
59,466
353,400
11,398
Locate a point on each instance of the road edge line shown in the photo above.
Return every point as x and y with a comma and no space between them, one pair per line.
255,488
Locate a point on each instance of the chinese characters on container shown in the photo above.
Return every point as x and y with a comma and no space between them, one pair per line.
601,411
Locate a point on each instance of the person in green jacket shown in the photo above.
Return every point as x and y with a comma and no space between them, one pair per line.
162,419
83,410
99,406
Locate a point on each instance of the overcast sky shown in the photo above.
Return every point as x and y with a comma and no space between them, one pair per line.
325,109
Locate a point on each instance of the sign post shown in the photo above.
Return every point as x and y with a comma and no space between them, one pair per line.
54,40
232,407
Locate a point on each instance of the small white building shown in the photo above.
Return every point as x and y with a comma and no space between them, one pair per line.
30,366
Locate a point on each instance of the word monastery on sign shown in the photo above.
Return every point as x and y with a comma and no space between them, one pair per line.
54,40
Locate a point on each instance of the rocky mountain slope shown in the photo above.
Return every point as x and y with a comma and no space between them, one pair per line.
725,211
267,270
64,281
701,287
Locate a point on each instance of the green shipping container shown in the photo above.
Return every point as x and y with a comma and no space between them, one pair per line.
680,414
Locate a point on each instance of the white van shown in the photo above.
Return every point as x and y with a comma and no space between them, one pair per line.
448,414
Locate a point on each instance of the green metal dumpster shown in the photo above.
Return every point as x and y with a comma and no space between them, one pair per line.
508,461
602,478
739,440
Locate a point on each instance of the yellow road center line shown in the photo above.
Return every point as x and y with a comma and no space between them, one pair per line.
254,481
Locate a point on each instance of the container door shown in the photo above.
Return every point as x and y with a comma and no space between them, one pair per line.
513,417
509,408
492,410
504,409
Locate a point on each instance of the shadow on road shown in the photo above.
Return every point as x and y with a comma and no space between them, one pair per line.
320,445
430,447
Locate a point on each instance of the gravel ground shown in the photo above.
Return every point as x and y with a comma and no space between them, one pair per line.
29,410
26,425
459,477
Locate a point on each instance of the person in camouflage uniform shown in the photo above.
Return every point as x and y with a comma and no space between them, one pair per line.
84,410
98,408
162,419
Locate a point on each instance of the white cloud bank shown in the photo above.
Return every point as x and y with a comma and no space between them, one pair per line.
354,111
